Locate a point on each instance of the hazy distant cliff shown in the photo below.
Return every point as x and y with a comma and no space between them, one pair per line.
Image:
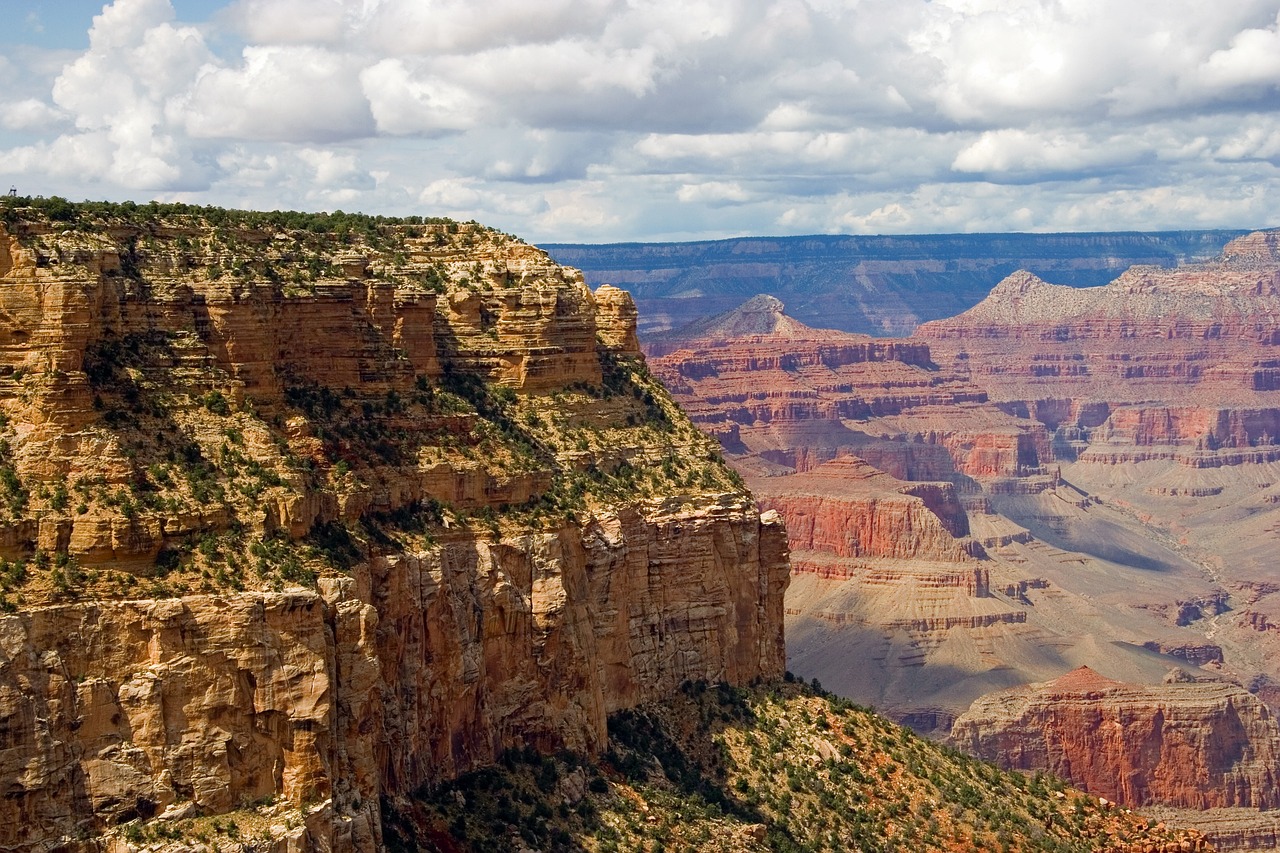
875,285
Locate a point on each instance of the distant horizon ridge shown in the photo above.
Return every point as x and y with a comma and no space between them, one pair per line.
907,236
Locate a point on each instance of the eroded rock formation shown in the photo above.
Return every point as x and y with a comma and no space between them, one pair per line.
324,514
847,508
1186,743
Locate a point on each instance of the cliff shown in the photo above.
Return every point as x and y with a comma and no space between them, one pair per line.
1192,744
1150,332
847,508
318,511
799,396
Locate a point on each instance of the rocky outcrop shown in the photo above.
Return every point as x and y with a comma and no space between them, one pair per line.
616,320
1187,743
848,509
323,514
882,464
762,315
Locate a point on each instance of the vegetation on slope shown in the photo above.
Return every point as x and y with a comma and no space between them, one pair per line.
187,449
778,767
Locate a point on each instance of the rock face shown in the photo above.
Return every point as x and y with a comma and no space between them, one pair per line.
1193,744
321,513
789,394
1151,333
846,508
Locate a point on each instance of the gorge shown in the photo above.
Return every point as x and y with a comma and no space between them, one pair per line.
1057,477
342,533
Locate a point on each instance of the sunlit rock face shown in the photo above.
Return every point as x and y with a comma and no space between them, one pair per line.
314,511
1194,744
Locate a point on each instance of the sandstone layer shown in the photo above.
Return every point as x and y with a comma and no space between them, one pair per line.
318,513
1187,743
847,508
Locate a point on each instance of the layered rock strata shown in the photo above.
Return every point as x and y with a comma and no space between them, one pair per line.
847,508
1112,452
798,396
1157,395
1150,334
1186,743
324,512
874,456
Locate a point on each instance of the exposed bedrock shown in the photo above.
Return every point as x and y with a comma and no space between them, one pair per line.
318,519
1186,743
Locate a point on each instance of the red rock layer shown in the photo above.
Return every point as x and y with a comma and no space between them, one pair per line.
799,396
1150,334
1190,744
849,509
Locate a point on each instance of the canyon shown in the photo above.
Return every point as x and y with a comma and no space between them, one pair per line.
1056,477
329,532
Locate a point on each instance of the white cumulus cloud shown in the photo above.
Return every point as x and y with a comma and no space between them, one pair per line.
283,93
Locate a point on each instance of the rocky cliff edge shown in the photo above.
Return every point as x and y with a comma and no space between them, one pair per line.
300,514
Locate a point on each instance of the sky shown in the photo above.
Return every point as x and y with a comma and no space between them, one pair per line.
641,120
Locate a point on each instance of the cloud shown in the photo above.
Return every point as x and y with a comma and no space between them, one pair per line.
30,114
713,193
1259,139
1015,152
1251,60
406,98
411,27
115,94
626,119
280,93
281,22
336,170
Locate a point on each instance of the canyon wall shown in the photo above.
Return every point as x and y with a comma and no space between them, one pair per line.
846,508
1185,743
316,514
